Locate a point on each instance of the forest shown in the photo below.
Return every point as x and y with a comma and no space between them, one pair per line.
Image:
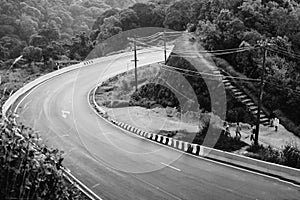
44,30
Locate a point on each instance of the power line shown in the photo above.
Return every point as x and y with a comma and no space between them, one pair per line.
215,52
159,34
218,52
286,53
286,50
207,74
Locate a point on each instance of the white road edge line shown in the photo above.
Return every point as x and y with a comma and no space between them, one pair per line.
170,166
46,81
188,154
67,171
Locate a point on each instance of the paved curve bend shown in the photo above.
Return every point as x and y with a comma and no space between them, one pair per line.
118,165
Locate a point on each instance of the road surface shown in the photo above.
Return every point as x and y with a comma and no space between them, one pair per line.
119,165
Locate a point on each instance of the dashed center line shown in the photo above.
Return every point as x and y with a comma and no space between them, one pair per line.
96,185
171,167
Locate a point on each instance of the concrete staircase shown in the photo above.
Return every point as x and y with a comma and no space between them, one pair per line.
243,98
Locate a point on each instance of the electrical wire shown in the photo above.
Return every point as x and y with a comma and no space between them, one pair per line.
153,40
208,74
159,34
149,37
288,54
286,50
217,52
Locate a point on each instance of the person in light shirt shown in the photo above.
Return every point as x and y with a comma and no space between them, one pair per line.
276,123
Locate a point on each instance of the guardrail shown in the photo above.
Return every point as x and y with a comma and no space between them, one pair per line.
83,188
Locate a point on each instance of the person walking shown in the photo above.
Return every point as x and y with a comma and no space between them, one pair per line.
272,118
238,131
227,131
252,136
276,123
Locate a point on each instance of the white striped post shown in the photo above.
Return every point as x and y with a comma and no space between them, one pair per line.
174,143
180,145
186,146
153,136
194,148
164,140
201,153
170,141
159,138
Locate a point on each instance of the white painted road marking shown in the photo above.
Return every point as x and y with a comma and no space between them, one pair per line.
96,185
65,113
171,166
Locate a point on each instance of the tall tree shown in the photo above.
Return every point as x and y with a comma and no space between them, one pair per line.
129,19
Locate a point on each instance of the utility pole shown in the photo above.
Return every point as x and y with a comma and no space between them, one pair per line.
165,47
135,65
264,44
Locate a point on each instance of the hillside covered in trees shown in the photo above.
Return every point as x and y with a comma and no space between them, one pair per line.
42,30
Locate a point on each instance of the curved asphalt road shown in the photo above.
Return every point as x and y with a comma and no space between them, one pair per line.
119,165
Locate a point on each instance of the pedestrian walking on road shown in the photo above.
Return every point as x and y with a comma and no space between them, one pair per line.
238,131
276,123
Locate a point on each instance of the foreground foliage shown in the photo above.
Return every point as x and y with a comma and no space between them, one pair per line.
29,170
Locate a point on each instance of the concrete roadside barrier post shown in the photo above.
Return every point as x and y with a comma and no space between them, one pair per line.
186,146
174,143
170,141
164,140
158,138
194,146
180,144
153,137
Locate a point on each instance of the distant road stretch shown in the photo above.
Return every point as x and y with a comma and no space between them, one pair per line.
118,165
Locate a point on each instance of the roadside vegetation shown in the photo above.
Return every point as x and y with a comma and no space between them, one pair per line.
288,156
29,169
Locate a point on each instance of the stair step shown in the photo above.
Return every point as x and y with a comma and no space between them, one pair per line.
242,96
265,122
264,119
238,93
253,107
246,100
231,87
249,104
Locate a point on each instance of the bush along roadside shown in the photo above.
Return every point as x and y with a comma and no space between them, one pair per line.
28,169
289,156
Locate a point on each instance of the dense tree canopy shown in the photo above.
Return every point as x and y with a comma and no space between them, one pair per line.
72,28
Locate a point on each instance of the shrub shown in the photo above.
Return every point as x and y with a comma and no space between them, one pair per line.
292,156
289,156
29,170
